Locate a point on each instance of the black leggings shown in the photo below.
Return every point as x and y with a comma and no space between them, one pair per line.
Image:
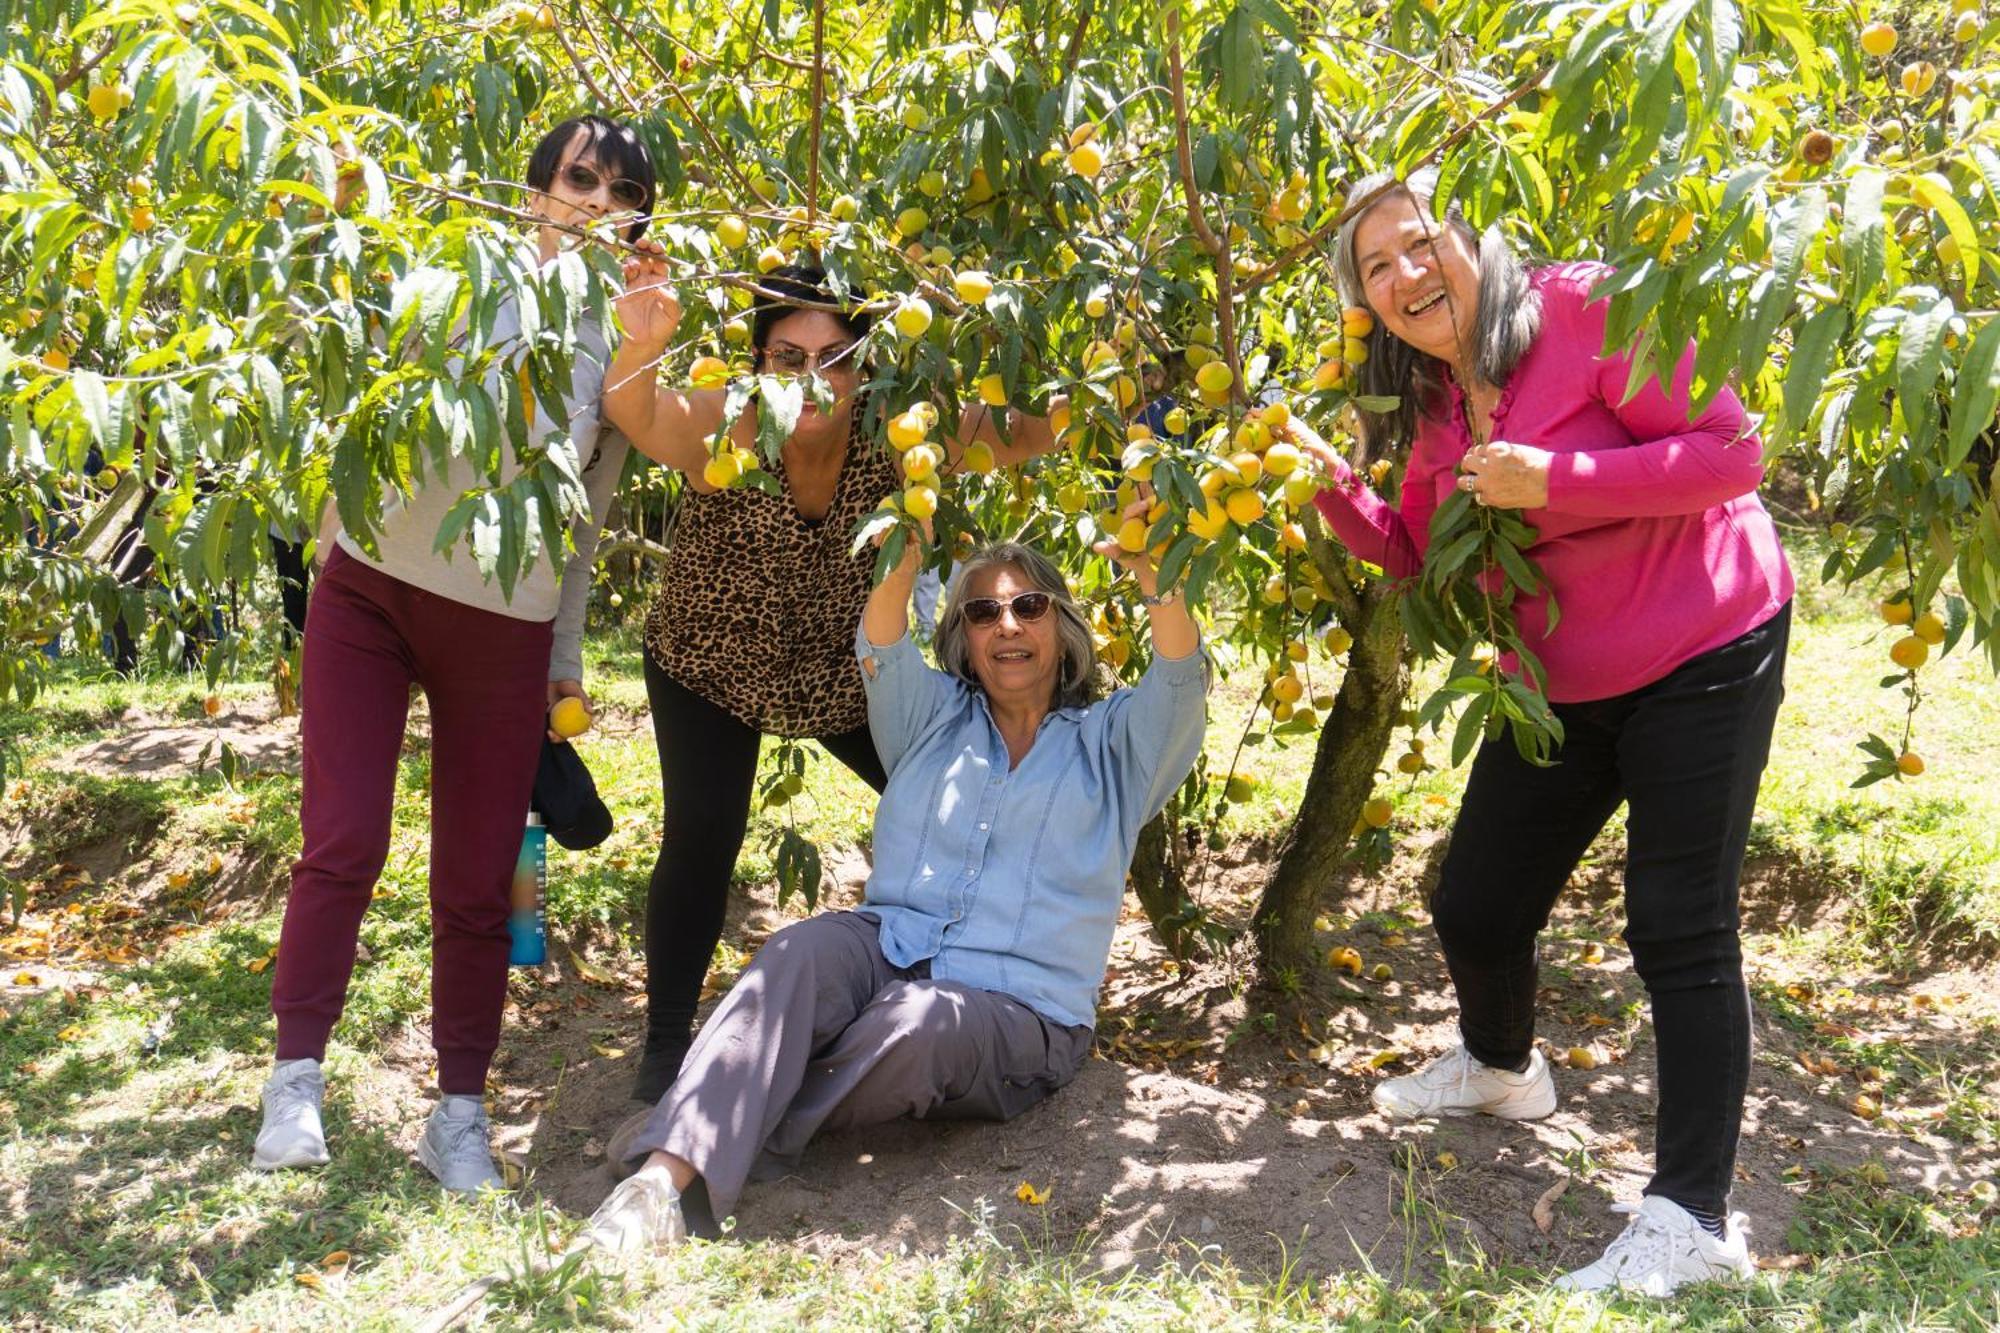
1686,753
708,770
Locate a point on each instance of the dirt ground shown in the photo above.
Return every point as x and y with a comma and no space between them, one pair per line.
1209,1127
1210,1120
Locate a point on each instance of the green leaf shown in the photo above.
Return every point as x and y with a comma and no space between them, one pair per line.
1518,572
1176,559
1864,233
891,552
1275,17
1788,20
215,527
799,868
260,140
1805,369
304,189
1442,564
1972,402
1934,192
100,533
1241,53
269,387
88,388
872,526
1531,179
1449,515
1920,358
780,399
1207,161
1651,60
1471,723
1722,27
1877,554
1798,222
1957,618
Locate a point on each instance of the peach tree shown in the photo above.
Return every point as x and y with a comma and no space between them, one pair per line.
253,257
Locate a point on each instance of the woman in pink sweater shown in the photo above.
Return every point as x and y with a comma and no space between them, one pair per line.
1665,669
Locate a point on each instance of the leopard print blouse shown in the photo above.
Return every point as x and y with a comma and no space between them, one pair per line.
757,607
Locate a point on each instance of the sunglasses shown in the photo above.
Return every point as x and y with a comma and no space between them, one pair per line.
1028,607
789,360
585,179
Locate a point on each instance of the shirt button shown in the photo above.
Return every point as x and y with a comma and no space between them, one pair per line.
982,828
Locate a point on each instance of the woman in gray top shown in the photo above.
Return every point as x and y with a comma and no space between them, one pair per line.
490,661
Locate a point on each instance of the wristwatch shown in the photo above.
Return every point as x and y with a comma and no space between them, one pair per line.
1161,598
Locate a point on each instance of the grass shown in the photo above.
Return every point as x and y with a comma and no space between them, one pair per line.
128,1203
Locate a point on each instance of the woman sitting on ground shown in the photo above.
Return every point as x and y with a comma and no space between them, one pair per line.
966,983
752,626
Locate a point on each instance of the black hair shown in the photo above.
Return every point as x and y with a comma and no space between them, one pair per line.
614,144
800,282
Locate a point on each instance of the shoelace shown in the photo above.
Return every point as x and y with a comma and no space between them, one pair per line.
1461,1059
293,1095
1642,1245
464,1138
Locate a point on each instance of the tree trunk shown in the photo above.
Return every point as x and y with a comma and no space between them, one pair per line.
1352,742
1160,882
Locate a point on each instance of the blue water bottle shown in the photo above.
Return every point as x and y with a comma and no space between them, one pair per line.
527,922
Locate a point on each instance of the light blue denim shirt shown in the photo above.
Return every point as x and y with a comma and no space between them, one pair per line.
1012,881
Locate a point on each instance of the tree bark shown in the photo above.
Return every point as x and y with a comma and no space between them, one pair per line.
1352,742
1160,883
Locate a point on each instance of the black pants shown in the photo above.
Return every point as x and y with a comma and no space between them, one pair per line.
708,771
288,559
1686,752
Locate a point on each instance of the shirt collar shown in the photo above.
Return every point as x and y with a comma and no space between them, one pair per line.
1069,713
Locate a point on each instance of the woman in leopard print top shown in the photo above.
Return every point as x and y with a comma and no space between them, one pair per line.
756,608
753,628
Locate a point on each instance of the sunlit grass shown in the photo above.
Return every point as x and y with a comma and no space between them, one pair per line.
130,1204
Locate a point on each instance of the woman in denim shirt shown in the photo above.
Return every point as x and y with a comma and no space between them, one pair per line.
966,983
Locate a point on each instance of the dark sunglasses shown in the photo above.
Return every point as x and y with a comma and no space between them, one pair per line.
1027,607
789,360
584,179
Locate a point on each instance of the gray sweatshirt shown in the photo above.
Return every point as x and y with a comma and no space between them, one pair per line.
410,523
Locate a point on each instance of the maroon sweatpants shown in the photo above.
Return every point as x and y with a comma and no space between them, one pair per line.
368,637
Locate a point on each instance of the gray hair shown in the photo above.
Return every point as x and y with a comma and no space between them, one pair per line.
1508,320
1076,682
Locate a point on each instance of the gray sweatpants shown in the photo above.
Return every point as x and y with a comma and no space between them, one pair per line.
823,1032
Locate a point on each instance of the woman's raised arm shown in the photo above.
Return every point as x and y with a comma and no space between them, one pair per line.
669,426
1028,436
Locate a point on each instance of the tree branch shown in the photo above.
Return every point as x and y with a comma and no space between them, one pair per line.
1325,230
1075,51
722,155
1225,313
818,111
583,71
621,542
617,72
67,79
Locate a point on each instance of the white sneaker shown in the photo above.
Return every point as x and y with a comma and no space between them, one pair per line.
292,1134
454,1146
643,1213
1662,1248
1457,1084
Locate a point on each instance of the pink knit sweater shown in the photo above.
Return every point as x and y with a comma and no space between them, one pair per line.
1653,542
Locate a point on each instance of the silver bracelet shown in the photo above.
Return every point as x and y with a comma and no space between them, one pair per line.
1161,598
